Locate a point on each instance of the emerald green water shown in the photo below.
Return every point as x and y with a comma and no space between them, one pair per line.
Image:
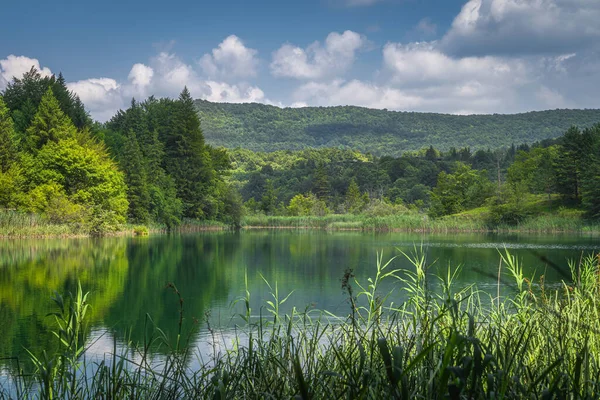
127,277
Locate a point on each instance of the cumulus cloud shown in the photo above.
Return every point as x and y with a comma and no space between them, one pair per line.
465,98
230,60
317,60
223,92
101,96
517,27
165,75
354,92
424,64
15,66
141,75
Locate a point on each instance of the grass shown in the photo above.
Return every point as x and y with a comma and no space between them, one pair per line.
458,343
16,224
545,216
413,222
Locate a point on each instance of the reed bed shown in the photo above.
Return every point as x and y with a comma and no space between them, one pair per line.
416,222
408,222
457,343
18,224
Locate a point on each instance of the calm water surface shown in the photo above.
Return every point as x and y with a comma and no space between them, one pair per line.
127,277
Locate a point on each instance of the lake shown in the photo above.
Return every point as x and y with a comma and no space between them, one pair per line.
127,277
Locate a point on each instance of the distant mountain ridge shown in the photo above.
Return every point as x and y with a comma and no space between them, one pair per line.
263,127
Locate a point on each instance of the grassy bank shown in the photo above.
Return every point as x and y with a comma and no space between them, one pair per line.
20,225
14,224
416,222
402,222
459,343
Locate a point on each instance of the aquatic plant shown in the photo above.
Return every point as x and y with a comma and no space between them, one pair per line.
534,342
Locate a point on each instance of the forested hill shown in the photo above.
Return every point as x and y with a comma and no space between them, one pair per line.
262,127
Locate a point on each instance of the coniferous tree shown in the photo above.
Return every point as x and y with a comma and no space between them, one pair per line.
353,197
48,124
268,202
24,94
321,182
569,166
146,120
7,138
590,182
11,177
70,103
188,160
136,180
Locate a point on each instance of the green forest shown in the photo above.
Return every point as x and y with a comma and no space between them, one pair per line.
151,164
261,127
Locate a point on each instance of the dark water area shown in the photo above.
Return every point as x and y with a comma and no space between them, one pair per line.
127,277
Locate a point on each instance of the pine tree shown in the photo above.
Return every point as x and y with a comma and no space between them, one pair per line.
570,163
268,202
187,159
70,103
7,138
23,96
11,178
49,124
431,154
136,180
321,182
353,197
590,182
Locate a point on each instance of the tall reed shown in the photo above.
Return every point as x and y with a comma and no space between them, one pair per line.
457,343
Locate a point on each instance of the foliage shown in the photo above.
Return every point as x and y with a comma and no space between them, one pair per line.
509,207
305,205
260,127
62,173
535,342
465,188
23,96
8,144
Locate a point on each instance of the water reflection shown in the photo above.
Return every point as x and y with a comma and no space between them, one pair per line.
127,277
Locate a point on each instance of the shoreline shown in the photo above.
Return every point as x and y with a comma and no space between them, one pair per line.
130,232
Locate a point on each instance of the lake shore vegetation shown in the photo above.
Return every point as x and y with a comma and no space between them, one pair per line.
457,342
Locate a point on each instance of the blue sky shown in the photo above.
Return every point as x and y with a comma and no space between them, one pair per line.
477,56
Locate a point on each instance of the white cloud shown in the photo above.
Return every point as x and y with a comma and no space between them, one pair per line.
520,27
166,75
101,96
230,60
223,92
15,66
354,92
141,75
466,98
423,64
318,61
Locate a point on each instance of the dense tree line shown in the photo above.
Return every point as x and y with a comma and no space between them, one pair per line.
51,166
347,181
148,163
170,171
565,171
260,127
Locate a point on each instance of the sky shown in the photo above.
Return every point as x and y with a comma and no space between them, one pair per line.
449,56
